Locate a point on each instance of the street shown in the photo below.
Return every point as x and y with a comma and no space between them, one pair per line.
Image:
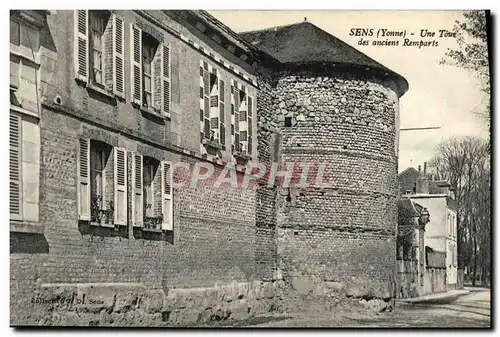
468,310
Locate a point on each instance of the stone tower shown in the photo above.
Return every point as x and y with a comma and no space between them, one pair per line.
336,106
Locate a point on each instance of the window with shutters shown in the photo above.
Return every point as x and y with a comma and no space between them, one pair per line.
149,48
212,107
98,20
102,183
152,207
15,165
150,73
242,112
99,51
101,179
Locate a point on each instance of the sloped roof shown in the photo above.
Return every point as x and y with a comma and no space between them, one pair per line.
306,43
407,179
407,209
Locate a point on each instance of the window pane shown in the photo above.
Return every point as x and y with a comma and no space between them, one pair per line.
98,76
29,37
96,166
147,97
147,67
97,59
97,40
147,83
14,33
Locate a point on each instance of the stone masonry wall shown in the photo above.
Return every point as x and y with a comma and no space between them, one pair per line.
134,305
339,238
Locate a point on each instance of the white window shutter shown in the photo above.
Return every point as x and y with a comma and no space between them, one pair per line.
136,64
81,48
165,54
84,179
120,177
167,193
15,165
222,112
118,58
137,190
250,116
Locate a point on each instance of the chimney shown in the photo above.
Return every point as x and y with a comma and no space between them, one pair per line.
419,169
422,185
425,168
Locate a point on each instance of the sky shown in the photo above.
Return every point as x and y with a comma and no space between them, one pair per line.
438,95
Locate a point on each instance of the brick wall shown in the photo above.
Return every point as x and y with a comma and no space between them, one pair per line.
344,232
215,240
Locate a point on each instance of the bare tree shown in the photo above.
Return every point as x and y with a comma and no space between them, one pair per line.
472,54
465,164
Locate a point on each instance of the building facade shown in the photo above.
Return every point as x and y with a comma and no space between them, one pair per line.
441,232
110,101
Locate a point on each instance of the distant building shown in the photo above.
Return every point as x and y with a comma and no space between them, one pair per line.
410,248
441,231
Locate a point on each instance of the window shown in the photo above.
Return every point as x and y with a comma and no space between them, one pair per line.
98,159
152,202
152,193
212,104
150,73
99,49
24,34
242,110
15,34
148,51
24,46
98,22
101,178
102,183
15,174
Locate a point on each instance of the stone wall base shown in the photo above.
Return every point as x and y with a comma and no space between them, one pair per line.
129,305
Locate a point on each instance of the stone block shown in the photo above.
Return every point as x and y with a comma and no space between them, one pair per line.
358,290
95,298
335,286
127,299
242,290
239,309
301,284
153,301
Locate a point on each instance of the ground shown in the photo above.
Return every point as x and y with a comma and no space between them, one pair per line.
471,309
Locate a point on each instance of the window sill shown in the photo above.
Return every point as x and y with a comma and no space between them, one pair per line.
23,111
105,225
212,144
153,230
99,90
243,157
25,53
26,227
150,112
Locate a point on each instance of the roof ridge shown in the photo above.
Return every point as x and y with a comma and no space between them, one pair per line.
274,27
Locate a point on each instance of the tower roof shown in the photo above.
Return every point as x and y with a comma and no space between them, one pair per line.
306,43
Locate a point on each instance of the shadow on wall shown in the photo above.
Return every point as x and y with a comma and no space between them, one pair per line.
28,243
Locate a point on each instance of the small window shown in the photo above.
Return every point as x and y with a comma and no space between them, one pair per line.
152,193
97,22
288,122
149,47
101,182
